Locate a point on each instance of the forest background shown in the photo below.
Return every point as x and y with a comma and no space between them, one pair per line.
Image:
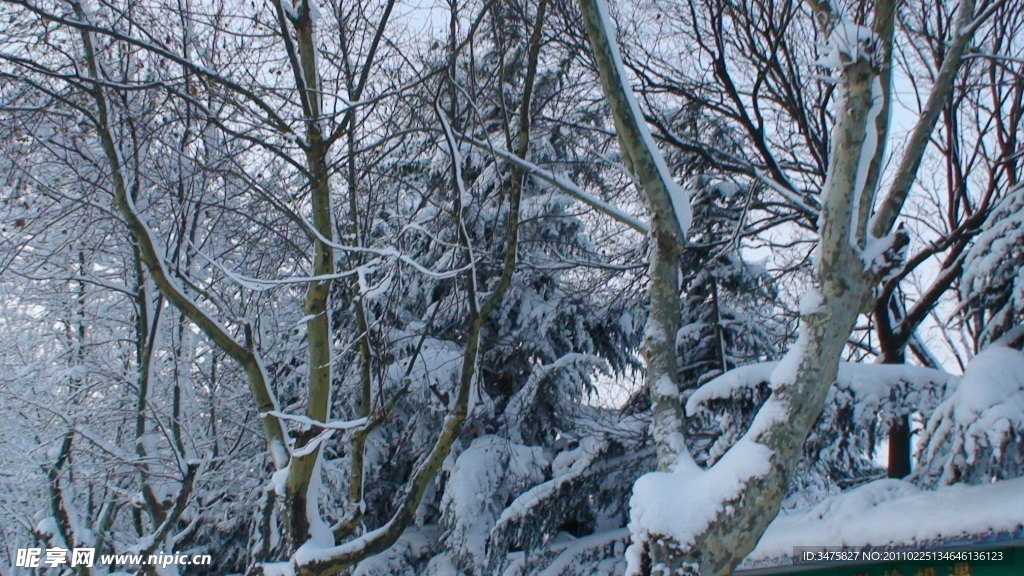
348,287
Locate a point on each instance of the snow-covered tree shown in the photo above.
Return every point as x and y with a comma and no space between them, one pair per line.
857,248
337,287
728,303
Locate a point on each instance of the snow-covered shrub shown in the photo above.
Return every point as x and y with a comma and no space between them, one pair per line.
977,433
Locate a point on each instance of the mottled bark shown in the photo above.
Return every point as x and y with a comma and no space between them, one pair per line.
826,322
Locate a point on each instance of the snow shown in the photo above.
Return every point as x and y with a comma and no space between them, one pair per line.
726,385
494,480
569,556
993,262
894,512
278,568
563,184
867,153
845,47
47,527
315,13
480,482
278,480
862,399
994,376
289,10
682,504
565,467
320,535
773,411
999,238
395,561
846,44
874,252
725,189
810,302
576,460
441,565
984,409
791,196
787,369
664,386
436,366
310,422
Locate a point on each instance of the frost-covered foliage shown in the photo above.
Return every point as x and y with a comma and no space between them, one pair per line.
401,559
117,392
972,430
976,434
510,507
564,319
993,278
488,473
727,303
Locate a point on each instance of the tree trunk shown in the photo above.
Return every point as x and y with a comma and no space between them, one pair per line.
670,217
900,461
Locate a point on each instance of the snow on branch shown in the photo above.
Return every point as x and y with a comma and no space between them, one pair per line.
859,406
669,202
563,184
848,43
680,505
993,277
485,476
579,476
870,382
